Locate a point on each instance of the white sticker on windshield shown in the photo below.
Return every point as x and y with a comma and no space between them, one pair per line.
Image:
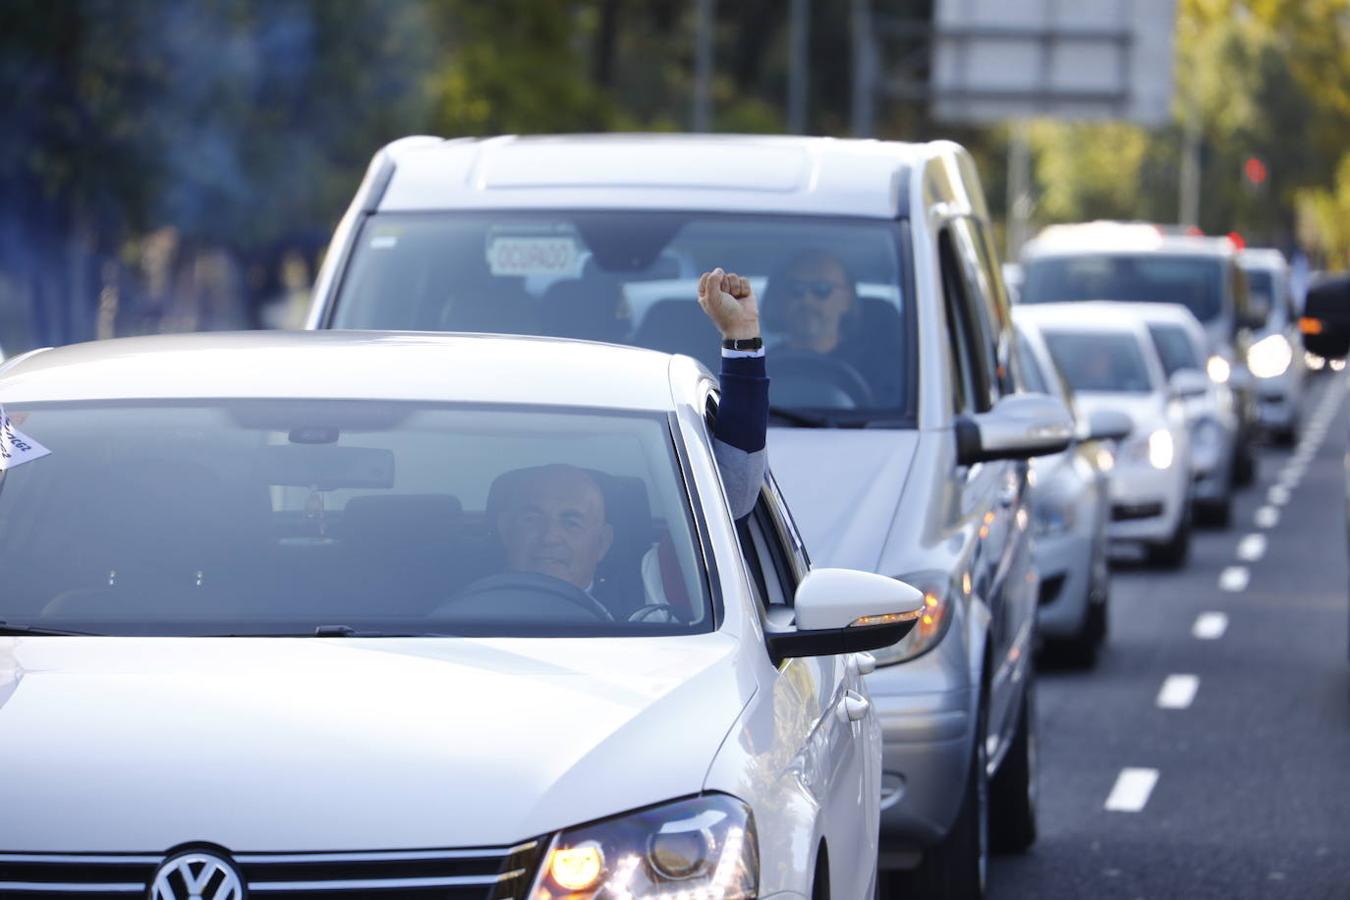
16,448
525,256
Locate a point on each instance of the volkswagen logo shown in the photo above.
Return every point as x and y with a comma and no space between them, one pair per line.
197,876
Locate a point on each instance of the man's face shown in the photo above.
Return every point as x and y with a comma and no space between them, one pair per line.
816,296
555,525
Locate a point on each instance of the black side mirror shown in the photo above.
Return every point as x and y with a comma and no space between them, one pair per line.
1325,326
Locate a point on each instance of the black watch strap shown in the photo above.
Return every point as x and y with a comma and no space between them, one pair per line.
754,343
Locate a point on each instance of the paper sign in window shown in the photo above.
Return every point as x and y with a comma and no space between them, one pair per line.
526,256
16,448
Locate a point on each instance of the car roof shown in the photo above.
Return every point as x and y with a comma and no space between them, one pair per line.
414,366
1121,237
1262,258
1080,315
720,173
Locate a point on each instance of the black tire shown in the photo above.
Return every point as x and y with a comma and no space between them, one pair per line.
1173,553
1286,437
1080,651
1216,513
1244,465
1014,789
958,867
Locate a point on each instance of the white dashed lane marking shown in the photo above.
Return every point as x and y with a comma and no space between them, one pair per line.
1210,626
1251,548
1267,517
1234,578
1132,790
1178,691
1278,495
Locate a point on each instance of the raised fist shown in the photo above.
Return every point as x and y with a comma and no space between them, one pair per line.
730,303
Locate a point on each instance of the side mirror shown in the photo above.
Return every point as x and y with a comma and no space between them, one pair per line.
842,611
1325,325
1108,425
1187,383
1018,427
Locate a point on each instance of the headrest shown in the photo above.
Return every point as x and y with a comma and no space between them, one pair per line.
585,308
680,326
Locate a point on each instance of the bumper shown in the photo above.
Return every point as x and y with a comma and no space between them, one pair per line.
1277,403
1147,503
1065,566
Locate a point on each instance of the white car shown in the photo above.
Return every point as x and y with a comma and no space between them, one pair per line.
1275,359
263,631
1108,357
1070,512
1209,405
897,432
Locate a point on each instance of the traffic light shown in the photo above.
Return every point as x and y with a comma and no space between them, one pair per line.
1255,170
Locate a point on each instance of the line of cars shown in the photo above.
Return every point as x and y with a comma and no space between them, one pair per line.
954,465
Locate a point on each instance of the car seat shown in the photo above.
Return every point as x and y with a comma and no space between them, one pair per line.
680,326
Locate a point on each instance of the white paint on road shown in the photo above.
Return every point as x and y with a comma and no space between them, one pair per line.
1252,547
1210,626
1132,790
1279,494
1178,691
1234,578
1267,517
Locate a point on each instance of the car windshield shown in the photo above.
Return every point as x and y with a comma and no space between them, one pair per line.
1174,348
1261,289
833,311
1100,361
1196,282
304,517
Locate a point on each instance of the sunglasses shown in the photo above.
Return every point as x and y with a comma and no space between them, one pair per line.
799,287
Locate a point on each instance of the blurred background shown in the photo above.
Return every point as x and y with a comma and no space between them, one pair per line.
172,165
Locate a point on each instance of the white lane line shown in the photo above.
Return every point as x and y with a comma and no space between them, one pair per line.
1178,691
1234,578
1267,517
1210,626
1251,548
1132,790
1277,495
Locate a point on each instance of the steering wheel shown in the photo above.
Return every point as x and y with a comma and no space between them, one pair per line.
814,368
527,595
648,611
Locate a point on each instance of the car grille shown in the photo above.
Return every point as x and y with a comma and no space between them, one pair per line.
1124,512
476,874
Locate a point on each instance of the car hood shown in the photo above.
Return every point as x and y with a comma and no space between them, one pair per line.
1145,409
844,488
299,744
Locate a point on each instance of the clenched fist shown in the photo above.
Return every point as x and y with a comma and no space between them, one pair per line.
727,299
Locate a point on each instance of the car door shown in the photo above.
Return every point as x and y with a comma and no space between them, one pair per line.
841,757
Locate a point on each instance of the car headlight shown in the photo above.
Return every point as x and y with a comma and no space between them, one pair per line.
933,623
1270,357
1156,447
703,847
1218,369
1206,444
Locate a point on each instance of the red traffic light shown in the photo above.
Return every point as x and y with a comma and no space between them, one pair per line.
1255,170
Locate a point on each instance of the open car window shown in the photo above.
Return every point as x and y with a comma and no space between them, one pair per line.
298,516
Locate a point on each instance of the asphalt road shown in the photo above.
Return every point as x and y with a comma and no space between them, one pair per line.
1209,755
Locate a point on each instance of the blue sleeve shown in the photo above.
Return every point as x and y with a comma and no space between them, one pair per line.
743,413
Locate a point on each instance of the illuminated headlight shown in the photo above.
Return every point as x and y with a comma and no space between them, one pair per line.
1313,361
1157,448
1106,460
1270,357
703,847
933,622
1218,369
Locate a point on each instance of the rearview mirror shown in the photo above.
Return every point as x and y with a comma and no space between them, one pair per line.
1187,383
1018,427
1325,325
1108,425
843,611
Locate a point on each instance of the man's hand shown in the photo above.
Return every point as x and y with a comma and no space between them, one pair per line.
729,302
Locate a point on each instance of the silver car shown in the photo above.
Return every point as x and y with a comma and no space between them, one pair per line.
1275,358
906,463
1070,510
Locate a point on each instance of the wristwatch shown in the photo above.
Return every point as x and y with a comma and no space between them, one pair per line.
746,344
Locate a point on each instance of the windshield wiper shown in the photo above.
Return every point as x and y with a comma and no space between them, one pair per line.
801,419
10,630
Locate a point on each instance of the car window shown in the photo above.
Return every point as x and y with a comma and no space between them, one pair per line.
767,554
283,516
1197,282
1032,377
832,306
997,302
1174,348
970,352
987,319
1100,361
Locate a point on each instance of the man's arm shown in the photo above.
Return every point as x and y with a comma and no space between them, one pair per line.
743,413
